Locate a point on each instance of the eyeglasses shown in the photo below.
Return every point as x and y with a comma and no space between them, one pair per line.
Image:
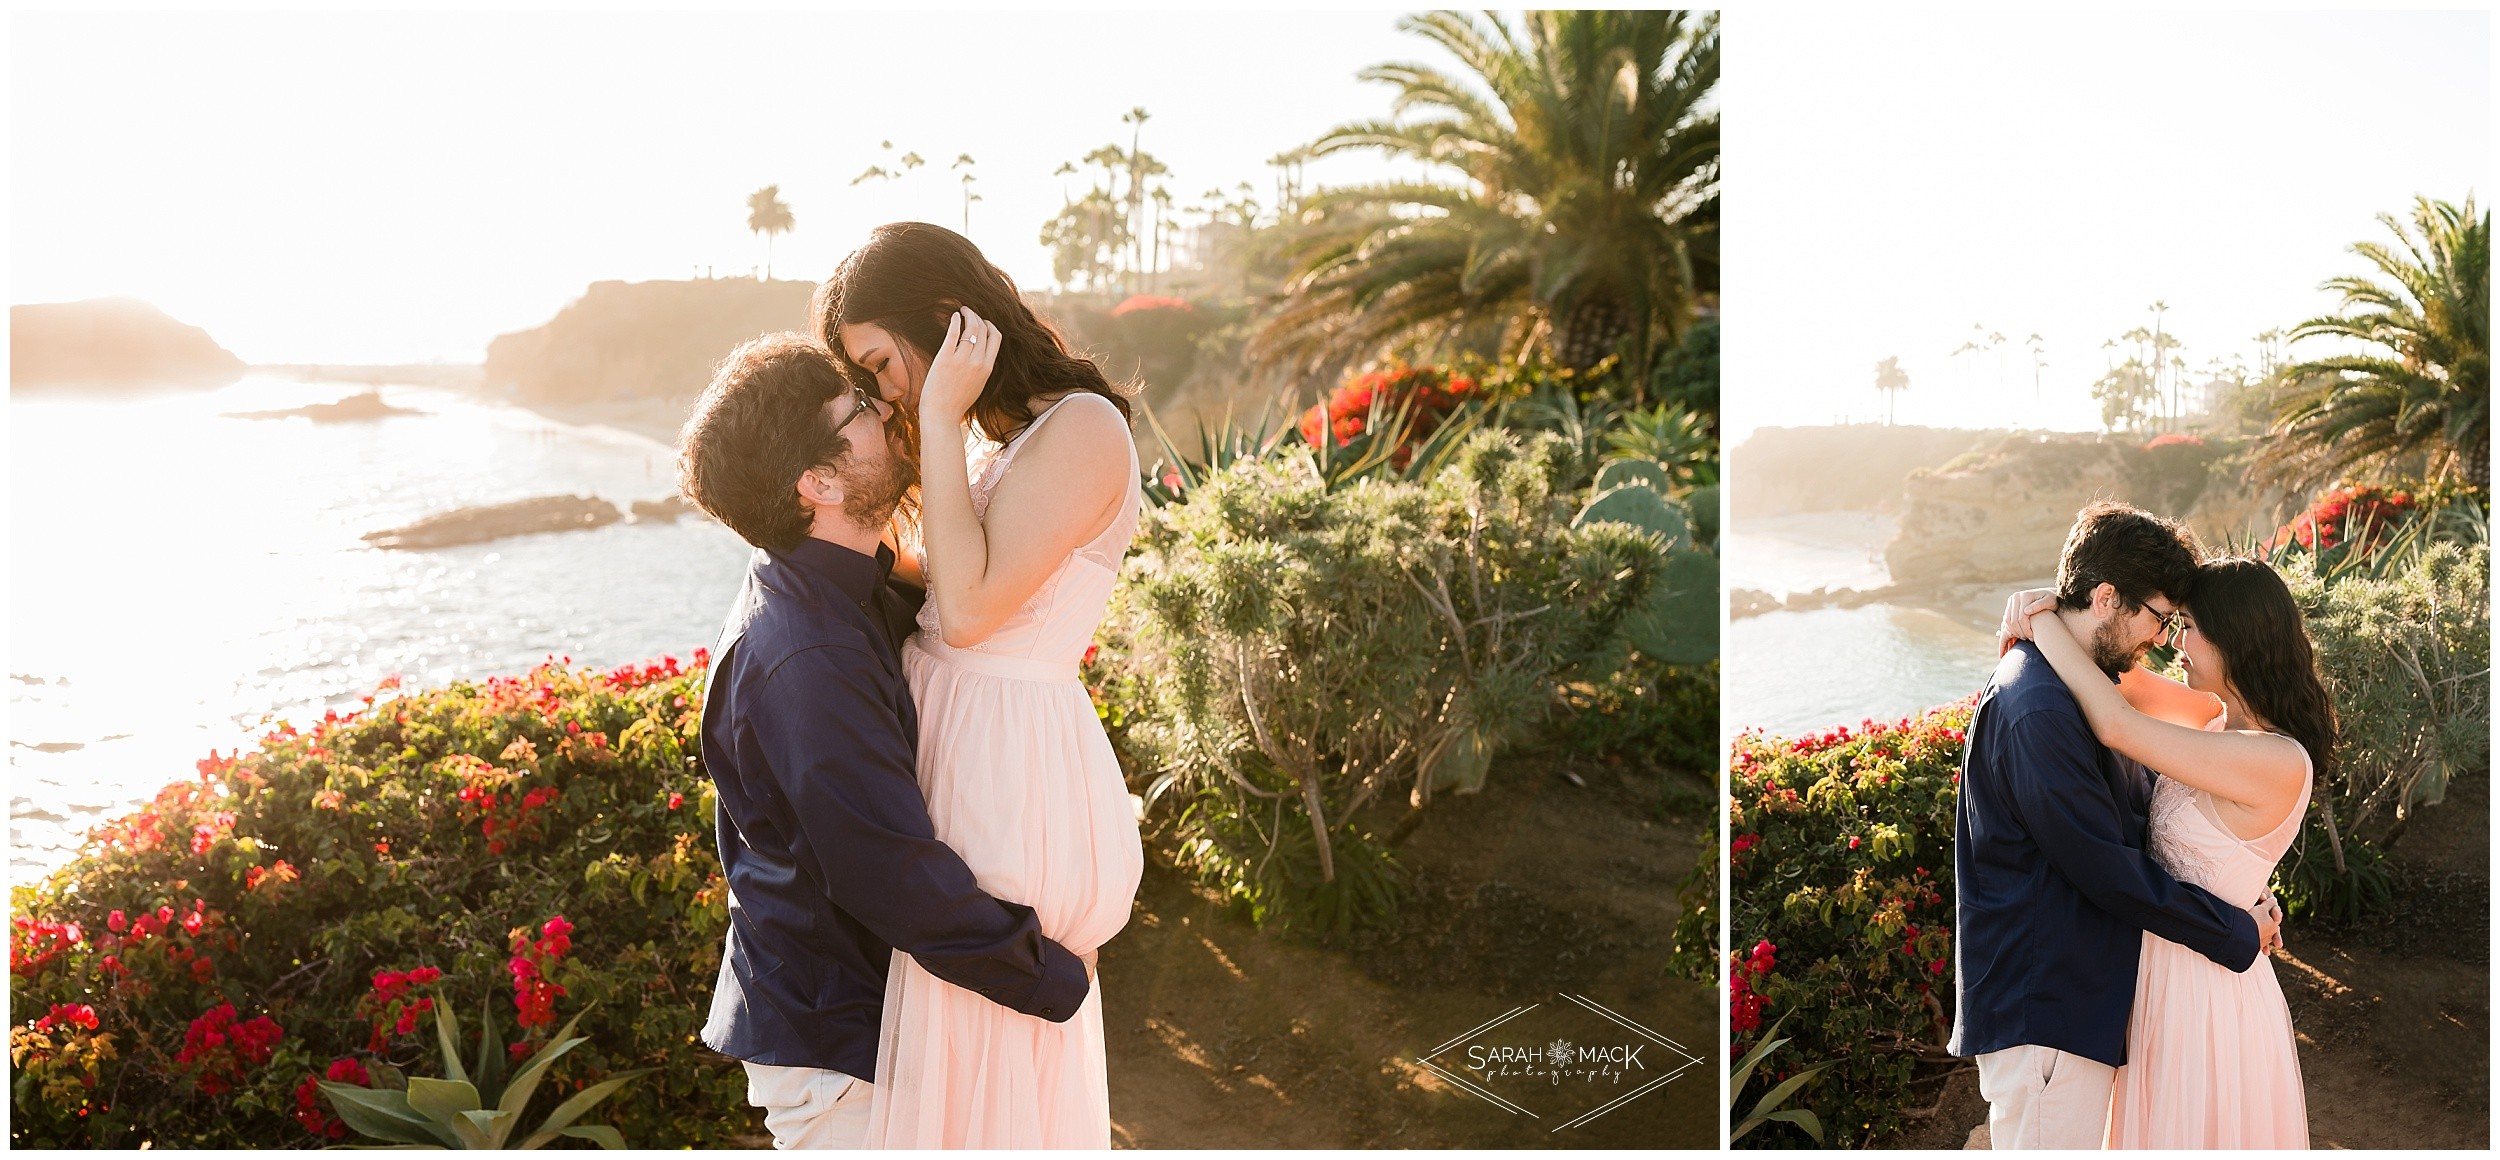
863,401
2173,623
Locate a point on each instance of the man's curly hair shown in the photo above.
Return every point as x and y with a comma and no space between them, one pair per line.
759,426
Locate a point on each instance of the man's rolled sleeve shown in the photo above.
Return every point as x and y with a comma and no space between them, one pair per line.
2069,809
839,761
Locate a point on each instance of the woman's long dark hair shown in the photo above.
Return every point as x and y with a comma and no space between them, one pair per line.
909,279
2243,607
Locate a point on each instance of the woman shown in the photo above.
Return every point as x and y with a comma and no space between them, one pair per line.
1023,539
2211,1062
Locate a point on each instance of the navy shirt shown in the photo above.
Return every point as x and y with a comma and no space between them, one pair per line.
810,735
2052,887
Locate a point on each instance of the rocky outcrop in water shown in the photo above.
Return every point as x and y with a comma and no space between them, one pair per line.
554,513
354,408
111,343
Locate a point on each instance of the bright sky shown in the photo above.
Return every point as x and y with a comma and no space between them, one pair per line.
1894,178
358,187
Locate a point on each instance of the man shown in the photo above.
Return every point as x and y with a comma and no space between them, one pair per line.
2052,884
809,733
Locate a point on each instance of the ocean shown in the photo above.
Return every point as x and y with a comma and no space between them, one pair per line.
1792,672
181,575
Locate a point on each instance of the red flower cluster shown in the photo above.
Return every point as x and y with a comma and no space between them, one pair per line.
283,871
389,1008
37,942
1744,1012
219,1050
532,994
632,676
2361,517
2173,439
308,1106
487,797
67,1015
1136,302
1430,393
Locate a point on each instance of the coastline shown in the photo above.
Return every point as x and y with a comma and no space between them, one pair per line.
655,419
1976,606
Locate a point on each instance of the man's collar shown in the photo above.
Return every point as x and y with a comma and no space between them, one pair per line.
856,575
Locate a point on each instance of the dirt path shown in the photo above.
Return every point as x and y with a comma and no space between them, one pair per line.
2393,1014
1537,888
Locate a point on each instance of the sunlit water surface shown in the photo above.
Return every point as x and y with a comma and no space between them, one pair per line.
180,575
1792,672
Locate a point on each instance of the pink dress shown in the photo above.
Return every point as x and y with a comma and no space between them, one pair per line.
2211,1062
1021,781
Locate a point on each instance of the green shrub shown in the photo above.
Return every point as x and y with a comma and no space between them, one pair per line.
1688,375
294,913
2405,648
1305,649
1648,712
1840,908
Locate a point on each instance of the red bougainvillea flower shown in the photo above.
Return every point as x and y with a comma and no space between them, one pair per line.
1429,394
675,800
2362,517
309,1110
533,996
218,1050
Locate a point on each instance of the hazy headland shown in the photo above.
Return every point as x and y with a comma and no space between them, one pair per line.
111,344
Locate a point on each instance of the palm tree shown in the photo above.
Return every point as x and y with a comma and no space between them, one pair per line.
1891,380
964,161
768,215
1588,214
2422,387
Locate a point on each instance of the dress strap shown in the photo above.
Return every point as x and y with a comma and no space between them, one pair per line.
1029,428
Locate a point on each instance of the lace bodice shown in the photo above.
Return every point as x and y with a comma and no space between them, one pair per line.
1057,622
2186,835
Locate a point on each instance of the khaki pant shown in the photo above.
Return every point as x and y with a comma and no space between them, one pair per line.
2040,1097
810,1107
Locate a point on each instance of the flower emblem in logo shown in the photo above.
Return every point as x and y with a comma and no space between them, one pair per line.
1558,1053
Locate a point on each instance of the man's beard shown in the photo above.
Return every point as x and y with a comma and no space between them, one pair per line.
2111,652
869,498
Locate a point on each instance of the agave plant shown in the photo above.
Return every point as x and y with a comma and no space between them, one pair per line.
475,1106
1385,449
1768,1107
1678,439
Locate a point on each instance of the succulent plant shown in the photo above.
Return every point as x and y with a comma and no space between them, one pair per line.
455,1112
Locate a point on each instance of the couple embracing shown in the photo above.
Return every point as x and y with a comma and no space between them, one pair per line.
2114,837
925,834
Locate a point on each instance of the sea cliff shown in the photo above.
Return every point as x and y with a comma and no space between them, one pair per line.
111,343
636,354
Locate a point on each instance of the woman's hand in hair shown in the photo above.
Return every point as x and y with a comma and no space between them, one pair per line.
958,371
